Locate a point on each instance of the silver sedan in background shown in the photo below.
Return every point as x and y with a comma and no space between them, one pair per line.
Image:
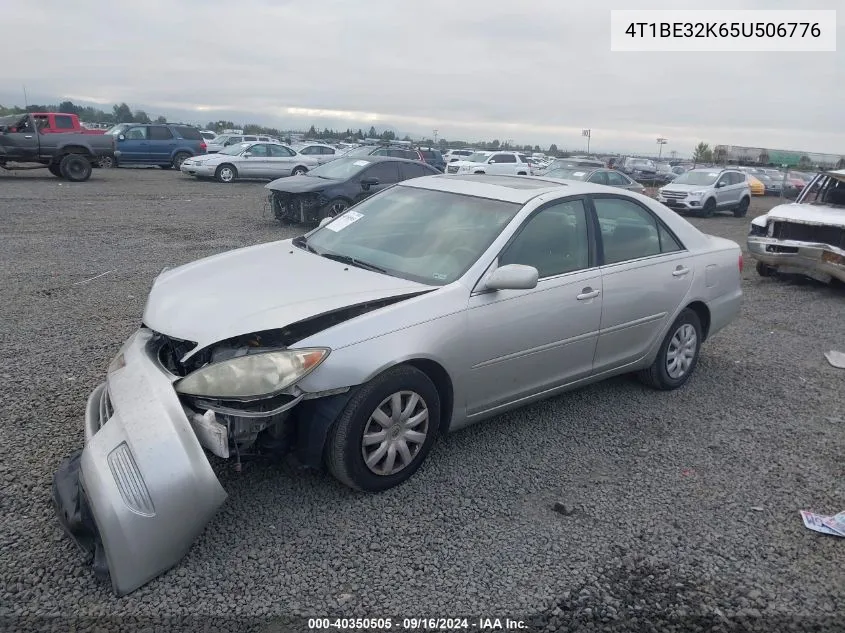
264,161
609,177
430,306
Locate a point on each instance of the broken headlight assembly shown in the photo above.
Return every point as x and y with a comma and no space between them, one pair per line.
252,376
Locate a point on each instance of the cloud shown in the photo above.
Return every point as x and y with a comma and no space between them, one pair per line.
536,72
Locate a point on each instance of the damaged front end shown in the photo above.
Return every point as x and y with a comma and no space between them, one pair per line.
302,208
142,489
793,245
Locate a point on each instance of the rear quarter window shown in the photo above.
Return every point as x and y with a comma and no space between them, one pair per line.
189,133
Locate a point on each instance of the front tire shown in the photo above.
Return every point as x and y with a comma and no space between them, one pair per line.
299,171
678,355
764,270
336,206
742,209
385,431
226,174
709,208
75,167
107,162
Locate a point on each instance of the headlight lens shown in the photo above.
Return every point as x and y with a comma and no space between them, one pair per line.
695,194
253,375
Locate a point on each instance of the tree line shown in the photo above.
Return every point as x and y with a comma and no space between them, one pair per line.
122,113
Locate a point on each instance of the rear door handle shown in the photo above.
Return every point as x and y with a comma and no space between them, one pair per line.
680,271
588,293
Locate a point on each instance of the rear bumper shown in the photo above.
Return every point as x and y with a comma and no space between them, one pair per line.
819,261
145,488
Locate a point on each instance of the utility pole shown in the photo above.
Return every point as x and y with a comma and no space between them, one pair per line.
587,133
25,99
660,143
435,137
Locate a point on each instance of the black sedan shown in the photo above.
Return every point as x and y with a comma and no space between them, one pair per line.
609,177
330,189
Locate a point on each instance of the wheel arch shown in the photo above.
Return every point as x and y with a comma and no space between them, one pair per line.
703,312
71,149
316,417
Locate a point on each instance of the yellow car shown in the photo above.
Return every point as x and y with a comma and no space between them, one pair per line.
757,187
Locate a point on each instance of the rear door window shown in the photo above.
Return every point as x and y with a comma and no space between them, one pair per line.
160,133
189,133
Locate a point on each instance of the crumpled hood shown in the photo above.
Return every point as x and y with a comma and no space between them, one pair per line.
300,184
259,288
808,213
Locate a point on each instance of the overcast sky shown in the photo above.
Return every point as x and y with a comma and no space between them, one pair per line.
536,71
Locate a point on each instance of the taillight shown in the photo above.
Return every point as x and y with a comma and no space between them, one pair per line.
203,145
740,263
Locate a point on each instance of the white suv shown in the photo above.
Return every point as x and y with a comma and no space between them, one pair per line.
509,163
706,191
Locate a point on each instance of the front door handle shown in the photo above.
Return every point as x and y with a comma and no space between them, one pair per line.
28,136
588,293
680,271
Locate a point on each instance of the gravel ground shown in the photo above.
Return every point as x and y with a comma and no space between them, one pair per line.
679,511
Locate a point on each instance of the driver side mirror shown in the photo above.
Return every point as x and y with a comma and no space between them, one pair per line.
121,137
369,182
512,277
247,154
720,184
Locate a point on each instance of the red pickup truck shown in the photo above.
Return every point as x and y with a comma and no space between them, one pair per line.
60,123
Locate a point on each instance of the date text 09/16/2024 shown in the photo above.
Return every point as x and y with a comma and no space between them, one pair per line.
416,624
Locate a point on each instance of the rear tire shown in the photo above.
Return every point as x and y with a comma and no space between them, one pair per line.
742,209
678,355
180,158
76,167
299,171
167,166
226,174
408,438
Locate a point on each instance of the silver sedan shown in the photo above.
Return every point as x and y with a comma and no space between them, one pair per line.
430,306
264,161
610,177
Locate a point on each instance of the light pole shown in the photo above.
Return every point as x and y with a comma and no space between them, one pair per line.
435,137
587,133
660,143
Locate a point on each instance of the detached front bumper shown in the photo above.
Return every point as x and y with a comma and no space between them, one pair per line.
816,260
142,489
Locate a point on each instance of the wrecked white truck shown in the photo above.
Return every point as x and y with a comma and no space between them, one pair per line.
805,237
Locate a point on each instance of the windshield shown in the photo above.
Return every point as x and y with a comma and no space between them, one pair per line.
641,162
478,157
219,140
431,237
361,151
697,178
824,190
234,150
117,129
568,174
340,169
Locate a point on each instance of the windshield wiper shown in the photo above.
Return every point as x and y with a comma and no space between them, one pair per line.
346,259
302,242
